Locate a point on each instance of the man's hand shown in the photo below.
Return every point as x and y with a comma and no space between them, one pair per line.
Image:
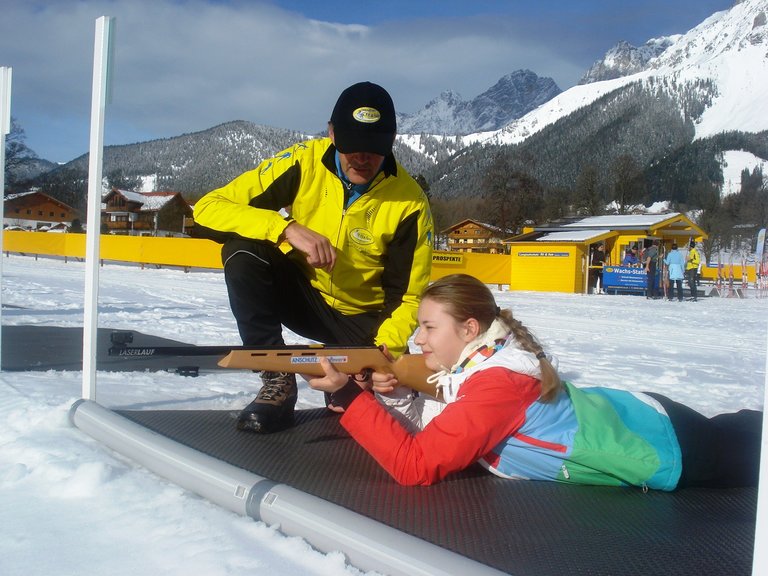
320,253
333,379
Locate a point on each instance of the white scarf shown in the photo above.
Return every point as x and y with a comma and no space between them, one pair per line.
510,356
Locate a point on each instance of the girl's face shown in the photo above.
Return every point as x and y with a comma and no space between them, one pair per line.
440,337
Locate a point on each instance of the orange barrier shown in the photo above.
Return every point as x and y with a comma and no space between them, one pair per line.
489,268
196,253
710,273
186,252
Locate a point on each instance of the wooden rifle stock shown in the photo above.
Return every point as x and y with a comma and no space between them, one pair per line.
409,369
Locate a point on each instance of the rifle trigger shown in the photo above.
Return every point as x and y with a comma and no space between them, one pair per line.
366,375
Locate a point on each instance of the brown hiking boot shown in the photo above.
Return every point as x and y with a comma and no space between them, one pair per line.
272,409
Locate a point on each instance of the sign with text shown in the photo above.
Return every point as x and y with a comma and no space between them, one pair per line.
543,254
448,258
624,277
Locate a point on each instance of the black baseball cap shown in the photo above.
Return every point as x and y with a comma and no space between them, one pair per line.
364,120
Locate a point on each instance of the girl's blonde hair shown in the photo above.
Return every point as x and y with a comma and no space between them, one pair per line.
465,297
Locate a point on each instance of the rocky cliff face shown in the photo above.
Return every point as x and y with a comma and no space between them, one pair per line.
625,59
513,96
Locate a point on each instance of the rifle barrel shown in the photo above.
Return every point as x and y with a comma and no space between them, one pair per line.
128,352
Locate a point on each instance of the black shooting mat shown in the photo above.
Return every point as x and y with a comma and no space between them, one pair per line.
525,528
61,348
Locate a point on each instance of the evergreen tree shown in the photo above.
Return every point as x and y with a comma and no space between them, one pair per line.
628,183
587,199
16,151
118,179
514,197
422,181
557,204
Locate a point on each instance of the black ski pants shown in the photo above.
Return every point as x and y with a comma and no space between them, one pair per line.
268,290
650,290
718,452
692,274
676,284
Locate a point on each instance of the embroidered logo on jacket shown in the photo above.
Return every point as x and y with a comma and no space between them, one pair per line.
361,236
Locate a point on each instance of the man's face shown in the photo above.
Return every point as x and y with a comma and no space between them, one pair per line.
359,167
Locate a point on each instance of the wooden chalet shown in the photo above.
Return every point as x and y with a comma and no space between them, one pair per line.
473,236
555,257
144,213
35,210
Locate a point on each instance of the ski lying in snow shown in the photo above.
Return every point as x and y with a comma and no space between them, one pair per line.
409,369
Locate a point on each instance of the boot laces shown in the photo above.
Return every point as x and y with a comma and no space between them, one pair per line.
276,386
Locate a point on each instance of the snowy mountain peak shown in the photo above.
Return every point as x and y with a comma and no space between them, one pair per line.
735,29
448,97
722,64
721,35
513,96
625,59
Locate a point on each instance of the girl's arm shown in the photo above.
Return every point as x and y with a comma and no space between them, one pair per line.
490,408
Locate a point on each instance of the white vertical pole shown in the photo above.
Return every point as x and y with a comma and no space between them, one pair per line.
5,128
101,51
760,559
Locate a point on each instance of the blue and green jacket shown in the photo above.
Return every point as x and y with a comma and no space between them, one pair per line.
594,436
590,435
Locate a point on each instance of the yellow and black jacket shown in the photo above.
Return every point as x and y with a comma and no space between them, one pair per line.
693,260
383,240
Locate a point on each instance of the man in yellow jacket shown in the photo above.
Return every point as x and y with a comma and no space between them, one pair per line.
330,238
692,269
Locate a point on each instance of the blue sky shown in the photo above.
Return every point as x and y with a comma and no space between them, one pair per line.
187,65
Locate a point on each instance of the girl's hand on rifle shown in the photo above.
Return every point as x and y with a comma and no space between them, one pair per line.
384,382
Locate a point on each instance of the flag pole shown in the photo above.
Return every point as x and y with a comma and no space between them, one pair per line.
101,52
5,128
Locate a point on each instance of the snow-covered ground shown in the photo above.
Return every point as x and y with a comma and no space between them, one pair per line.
70,506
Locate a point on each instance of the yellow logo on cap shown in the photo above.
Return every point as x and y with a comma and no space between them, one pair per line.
367,115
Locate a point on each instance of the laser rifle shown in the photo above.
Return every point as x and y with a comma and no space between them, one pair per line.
409,369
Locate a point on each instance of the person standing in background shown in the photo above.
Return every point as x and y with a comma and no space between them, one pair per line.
596,269
650,259
675,264
692,269
630,257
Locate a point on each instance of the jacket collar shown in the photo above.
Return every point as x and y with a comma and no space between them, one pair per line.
509,356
